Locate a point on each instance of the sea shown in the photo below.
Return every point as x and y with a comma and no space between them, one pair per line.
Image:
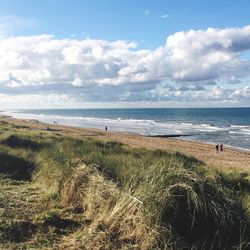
230,126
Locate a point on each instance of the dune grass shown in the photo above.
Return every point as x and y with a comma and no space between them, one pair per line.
126,198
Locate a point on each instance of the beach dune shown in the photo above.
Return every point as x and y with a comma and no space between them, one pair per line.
231,157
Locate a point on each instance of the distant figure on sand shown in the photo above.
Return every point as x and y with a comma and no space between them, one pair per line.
106,128
221,147
217,148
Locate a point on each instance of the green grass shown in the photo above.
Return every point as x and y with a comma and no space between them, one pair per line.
127,197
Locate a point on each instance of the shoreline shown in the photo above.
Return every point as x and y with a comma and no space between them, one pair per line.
203,151
177,137
180,137
193,135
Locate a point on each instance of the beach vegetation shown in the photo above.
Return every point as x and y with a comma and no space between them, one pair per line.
106,195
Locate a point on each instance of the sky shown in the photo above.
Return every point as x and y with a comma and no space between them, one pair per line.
119,54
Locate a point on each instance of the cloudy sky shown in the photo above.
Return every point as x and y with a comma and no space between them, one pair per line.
109,53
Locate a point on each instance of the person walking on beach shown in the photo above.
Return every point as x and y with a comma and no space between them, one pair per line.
106,128
221,147
217,148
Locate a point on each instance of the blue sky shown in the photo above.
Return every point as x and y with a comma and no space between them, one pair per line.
140,20
124,53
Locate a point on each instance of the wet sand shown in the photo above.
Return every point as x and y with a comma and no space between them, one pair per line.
203,151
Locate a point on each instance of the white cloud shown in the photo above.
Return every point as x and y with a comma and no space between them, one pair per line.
91,69
11,23
164,16
35,101
202,55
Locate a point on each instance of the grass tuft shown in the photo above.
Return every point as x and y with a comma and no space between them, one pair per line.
107,195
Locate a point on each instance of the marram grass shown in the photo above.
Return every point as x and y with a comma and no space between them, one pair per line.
126,198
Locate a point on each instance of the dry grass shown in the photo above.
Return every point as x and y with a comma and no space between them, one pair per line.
116,218
105,195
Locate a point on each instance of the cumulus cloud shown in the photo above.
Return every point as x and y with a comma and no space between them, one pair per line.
203,55
45,60
190,61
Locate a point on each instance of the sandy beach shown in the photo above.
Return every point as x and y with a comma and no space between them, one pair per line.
203,151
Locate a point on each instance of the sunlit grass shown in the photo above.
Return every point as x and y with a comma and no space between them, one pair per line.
132,198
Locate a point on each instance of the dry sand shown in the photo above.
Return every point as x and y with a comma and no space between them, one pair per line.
202,151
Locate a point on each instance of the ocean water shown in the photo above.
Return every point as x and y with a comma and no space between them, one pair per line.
230,126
